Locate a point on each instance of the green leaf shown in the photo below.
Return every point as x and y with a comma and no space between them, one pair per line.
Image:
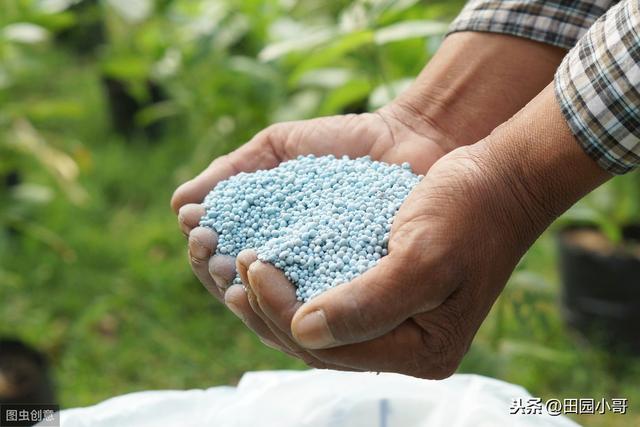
332,52
538,351
304,42
56,22
54,109
328,78
54,6
530,281
25,32
386,93
133,11
33,193
400,5
409,30
301,105
127,67
156,112
255,69
353,91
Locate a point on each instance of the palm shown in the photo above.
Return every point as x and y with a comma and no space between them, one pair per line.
377,135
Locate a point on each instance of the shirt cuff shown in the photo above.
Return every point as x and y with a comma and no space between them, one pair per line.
597,86
556,22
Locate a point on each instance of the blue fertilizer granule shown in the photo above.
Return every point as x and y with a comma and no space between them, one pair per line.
321,220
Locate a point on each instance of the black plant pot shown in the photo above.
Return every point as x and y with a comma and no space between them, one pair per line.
601,290
124,107
24,375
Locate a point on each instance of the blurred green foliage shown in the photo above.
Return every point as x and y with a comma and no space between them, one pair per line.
93,267
610,208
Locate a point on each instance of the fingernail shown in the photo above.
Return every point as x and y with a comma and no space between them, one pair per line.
199,251
235,310
312,331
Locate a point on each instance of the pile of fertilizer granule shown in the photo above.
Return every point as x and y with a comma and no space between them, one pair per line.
321,220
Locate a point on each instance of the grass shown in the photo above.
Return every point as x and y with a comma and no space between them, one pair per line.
104,288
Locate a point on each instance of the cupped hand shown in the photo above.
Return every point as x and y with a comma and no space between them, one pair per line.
393,134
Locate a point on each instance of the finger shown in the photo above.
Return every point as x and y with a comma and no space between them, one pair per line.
258,153
244,262
275,295
222,269
245,259
202,244
276,298
367,307
189,217
236,299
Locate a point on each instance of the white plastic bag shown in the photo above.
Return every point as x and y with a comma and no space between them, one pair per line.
321,399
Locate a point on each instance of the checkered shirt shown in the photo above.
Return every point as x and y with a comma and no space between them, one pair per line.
598,83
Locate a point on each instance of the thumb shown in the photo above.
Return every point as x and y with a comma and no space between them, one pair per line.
365,308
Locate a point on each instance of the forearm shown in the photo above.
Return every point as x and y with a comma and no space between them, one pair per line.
475,82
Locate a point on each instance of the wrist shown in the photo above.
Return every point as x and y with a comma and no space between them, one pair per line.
535,158
415,120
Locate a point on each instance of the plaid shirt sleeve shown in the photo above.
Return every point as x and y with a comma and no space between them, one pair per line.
557,22
598,83
598,88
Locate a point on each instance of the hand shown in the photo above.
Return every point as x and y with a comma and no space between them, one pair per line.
391,135
454,243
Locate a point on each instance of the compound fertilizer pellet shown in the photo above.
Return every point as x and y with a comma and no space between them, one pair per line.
323,221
